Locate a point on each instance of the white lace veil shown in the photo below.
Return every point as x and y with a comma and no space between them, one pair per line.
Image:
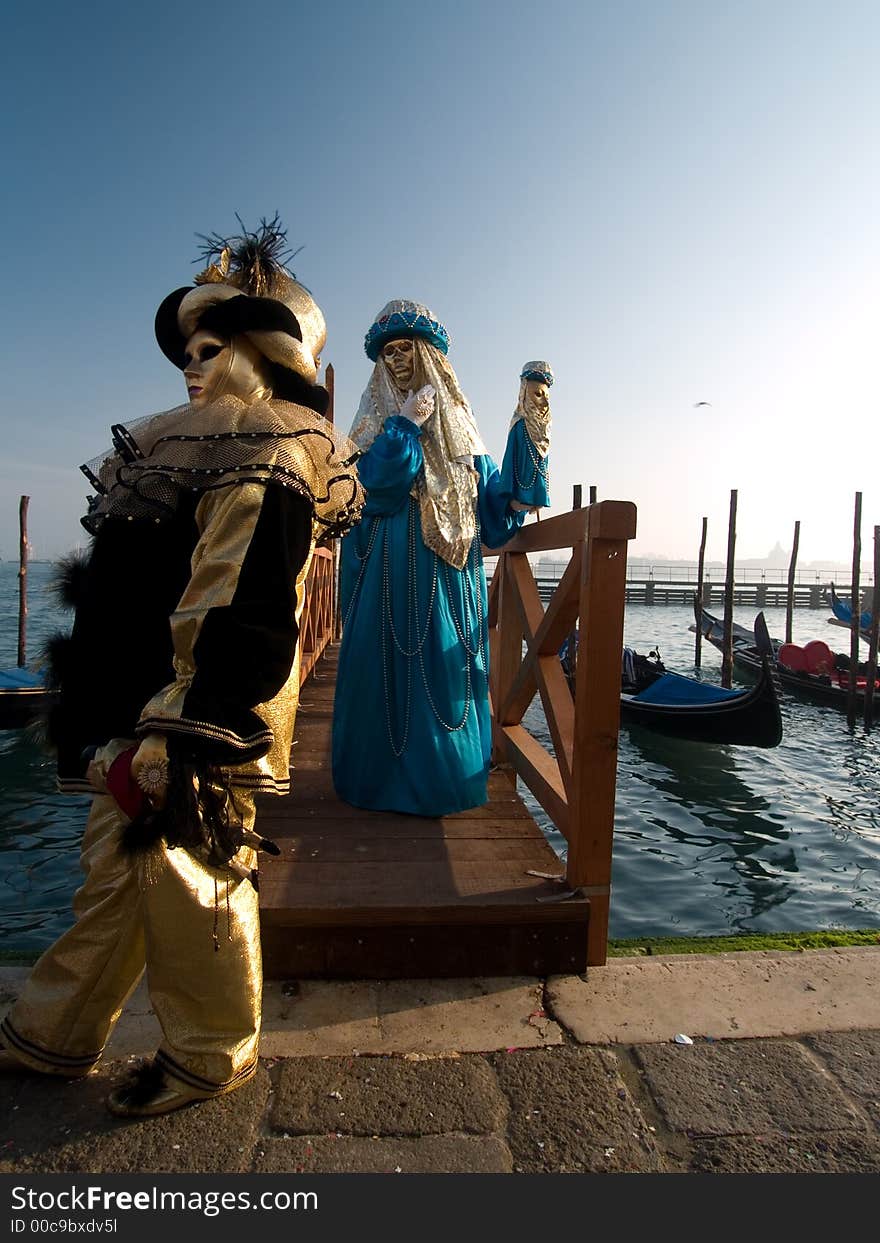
446,486
538,422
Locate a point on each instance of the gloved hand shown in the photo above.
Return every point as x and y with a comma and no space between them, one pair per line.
150,768
419,406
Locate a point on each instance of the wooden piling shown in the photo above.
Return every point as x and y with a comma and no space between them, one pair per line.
22,580
727,654
872,645
789,604
856,616
698,600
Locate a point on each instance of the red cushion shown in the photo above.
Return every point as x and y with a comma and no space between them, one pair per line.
793,657
819,657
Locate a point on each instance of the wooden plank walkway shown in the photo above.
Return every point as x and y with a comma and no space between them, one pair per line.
369,895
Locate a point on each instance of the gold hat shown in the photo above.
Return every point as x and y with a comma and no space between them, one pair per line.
248,291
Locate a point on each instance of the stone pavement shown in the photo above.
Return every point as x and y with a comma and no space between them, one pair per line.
572,1074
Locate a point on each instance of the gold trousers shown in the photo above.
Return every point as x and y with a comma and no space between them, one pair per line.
163,910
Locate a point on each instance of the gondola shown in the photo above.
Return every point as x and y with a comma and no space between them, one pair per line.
843,615
682,707
811,672
23,696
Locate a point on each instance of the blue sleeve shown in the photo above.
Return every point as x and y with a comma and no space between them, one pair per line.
389,467
524,475
498,522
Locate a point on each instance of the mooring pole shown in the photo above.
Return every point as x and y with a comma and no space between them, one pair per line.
872,645
727,655
698,599
22,580
856,615
789,601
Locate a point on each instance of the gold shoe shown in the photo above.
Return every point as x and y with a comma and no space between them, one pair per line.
147,1092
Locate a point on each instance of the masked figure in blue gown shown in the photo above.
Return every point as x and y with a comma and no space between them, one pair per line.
411,729
524,472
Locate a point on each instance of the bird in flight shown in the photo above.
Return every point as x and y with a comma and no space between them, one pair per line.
702,403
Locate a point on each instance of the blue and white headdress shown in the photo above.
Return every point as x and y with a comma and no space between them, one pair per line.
402,318
537,370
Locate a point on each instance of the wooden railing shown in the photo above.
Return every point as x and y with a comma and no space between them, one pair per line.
576,786
317,621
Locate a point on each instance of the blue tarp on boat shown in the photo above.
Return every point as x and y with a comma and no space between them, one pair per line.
19,680
674,689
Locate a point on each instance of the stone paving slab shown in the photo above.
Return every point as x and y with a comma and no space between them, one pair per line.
744,993
470,1016
834,1153
58,1126
744,1087
571,1112
387,1096
314,1018
434,1154
854,1059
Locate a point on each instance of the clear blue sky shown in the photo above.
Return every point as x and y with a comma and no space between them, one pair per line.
672,202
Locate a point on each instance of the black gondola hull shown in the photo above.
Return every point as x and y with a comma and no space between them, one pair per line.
749,719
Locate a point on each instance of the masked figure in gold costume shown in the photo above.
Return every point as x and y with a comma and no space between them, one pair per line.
178,686
411,724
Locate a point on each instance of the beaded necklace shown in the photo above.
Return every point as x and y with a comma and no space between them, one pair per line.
417,631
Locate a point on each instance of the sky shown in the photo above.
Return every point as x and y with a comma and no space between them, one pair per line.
672,202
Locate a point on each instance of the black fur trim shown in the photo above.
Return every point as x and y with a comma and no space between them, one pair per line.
144,1083
56,658
68,580
289,386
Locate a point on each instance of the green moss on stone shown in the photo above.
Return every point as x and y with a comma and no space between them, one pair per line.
744,941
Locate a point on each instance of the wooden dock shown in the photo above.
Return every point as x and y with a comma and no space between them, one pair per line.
360,894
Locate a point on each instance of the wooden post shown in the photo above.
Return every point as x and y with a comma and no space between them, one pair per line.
597,713
593,495
789,601
576,503
329,384
698,601
856,616
22,580
727,655
872,645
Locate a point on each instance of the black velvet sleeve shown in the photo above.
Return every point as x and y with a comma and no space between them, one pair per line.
235,629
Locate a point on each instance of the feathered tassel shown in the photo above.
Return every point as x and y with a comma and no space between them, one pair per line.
255,258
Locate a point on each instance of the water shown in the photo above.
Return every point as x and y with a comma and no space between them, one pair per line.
708,839
713,839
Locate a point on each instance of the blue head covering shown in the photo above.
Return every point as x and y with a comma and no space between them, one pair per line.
537,370
402,318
